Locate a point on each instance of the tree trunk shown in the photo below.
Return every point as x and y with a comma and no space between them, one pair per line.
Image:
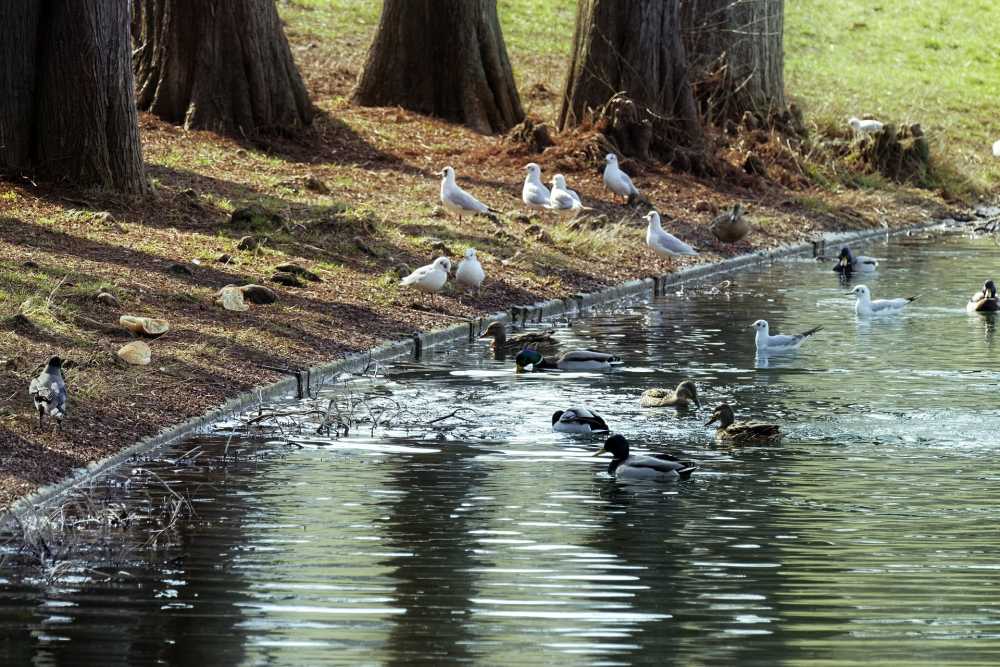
737,58
219,65
68,111
634,48
443,58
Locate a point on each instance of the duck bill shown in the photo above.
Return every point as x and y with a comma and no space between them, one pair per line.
711,421
599,451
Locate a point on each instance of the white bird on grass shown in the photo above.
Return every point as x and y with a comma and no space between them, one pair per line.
430,278
866,126
617,180
663,243
767,343
48,392
865,306
563,200
456,200
470,272
534,193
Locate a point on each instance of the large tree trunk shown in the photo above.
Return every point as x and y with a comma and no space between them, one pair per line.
737,58
443,58
634,48
219,65
68,107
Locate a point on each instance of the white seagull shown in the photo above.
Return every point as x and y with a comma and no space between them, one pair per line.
768,343
534,193
866,126
662,243
865,306
470,272
617,180
456,200
430,278
578,420
564,200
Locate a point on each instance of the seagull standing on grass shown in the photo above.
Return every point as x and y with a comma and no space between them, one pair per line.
456,200
865,306
564,200
767,343
663,243
866,126
48,392
617,180
430,278
470,272
534,193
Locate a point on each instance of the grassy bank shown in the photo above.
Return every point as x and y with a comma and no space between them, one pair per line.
355,202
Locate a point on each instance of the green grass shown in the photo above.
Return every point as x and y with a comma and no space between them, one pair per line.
919,61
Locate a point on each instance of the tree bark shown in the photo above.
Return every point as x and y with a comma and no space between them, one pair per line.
737,58
443,58
219,65
69,108
634,48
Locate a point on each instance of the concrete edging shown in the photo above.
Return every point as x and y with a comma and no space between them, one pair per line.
358,362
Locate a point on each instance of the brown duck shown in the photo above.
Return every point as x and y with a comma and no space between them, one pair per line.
501,341
732,432
985,301
730,227
681,397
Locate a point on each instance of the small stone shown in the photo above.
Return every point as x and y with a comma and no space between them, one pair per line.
437,245
287,279
230,297
255,218
136,353
30,264
258,294
703,206
224,258
104,217
248,243
108,299
298,270
180,269
241,152
146,327
313,184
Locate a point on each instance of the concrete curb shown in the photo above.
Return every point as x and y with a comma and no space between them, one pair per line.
358,362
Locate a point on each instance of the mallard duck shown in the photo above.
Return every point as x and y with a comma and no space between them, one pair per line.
732,432
574,360
681,397
848,264
767,343
864,306
498,332
578,420
730,227
984,301
653,467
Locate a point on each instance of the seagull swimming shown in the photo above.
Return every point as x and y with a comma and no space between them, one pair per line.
767,343
534,193
848,263
456,200
865,306
48,392
578,420
470,272
663,243
563,199
617,180
866,126
430,278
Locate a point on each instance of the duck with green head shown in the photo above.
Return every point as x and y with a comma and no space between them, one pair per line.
574,360
732,432
649,467
681,398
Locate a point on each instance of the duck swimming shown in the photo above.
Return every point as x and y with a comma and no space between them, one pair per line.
574,360
681,397
847,264
652,467
984,301
501,341
578,420
732,432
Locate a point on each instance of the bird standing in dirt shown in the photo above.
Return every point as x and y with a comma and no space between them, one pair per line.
617,180
730,227
663,243
430,278
470,272
48,392
534,194
456,200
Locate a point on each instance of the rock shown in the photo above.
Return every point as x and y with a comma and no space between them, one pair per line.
313,184
703,206
224,258
256,218
539,233
437,245
145,327
258,294
30,264
248,243
230,297
180,269
104,217
136,353
107,299
287,279
297,270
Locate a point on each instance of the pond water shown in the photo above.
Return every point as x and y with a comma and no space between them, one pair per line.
869,535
